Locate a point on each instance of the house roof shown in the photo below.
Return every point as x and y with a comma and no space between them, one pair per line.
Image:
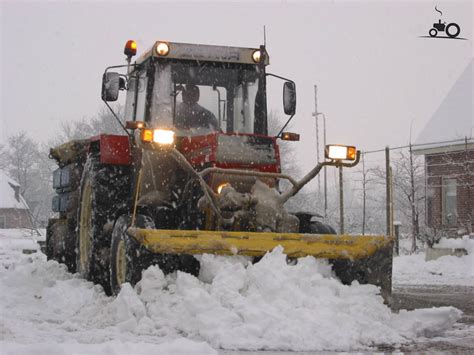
454,118
7,193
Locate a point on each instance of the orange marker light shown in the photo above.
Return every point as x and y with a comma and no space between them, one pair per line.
289,136
130,48
147,135
351,153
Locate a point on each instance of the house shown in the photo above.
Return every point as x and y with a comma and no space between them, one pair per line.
447,144
14,212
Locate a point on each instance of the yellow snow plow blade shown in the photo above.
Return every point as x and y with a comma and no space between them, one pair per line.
295,245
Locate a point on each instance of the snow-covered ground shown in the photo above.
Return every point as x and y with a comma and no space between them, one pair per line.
232,305
447,270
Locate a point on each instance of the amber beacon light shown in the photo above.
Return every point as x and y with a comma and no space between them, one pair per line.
130,48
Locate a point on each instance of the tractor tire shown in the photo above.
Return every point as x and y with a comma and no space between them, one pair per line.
433,32
61,243
127,258
104,192
317,227
457,30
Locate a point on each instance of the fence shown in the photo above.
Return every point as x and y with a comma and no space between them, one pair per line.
423,191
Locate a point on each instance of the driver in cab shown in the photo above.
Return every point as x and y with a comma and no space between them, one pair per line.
189,114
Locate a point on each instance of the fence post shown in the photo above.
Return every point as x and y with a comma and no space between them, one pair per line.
397,225
364,193
341,201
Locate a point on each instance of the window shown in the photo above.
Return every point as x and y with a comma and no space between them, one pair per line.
136,97
449,201
141,97
228,94
3,222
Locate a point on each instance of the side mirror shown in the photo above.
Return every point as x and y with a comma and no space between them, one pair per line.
110,86
289,98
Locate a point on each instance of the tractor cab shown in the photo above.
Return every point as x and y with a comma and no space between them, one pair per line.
229,86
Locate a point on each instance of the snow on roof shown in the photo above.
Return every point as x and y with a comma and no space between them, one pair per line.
454,118
7,193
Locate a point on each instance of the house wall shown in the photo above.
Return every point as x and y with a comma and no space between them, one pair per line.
14,218
460,166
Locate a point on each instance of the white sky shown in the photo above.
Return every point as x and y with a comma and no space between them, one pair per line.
376,77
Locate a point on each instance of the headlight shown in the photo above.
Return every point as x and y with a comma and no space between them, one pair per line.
340,152
163,136
160,136
221,187
162,49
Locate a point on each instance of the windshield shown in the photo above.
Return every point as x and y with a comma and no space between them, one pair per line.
198,98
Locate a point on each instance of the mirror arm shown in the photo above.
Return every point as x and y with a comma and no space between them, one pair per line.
121,66
283,128
280,77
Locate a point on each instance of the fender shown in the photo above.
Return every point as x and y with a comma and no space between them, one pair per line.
112,149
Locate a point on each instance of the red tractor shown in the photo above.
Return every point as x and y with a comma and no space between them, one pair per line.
194,172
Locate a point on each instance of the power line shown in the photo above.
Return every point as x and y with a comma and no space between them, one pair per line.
463,140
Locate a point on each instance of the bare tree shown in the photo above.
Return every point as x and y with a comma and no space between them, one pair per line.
25,161
103,122
408,184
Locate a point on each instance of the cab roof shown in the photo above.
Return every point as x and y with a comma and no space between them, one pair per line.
202,52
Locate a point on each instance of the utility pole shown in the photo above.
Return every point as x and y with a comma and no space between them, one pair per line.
317,133
388,194
414,229
325,172
341,201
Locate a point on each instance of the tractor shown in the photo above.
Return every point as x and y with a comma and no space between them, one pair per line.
195,171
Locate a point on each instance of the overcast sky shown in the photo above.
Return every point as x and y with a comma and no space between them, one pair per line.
376,76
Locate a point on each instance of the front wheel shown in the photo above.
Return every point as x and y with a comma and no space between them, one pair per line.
127,257
433,32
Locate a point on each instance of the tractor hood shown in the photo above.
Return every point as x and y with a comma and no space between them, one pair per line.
235,151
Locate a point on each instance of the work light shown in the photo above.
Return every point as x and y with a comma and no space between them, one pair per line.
160,136
340,152
162,49
256,56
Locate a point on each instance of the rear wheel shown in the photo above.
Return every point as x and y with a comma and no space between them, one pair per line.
104,191
61,242
453,30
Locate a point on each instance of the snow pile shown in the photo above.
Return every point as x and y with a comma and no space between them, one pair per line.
233,305
446,270
457,243
275,306
44,309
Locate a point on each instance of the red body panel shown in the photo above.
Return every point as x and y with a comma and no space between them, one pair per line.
114,149
201,151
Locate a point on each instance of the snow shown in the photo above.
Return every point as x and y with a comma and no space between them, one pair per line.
7,193
447,270
232,305
465,242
